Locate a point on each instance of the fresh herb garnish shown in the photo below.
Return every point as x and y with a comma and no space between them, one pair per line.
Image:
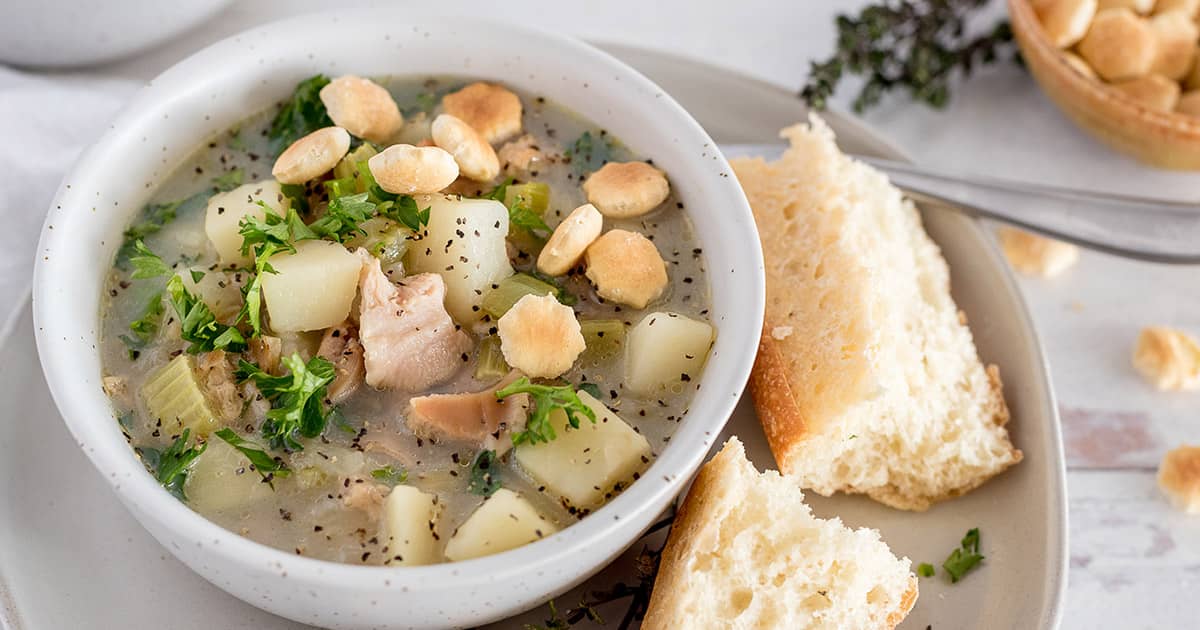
546,398
298,196
170,466
484,478
423,102
588,154
154,217
300,115
229,179
297,399
197,275
145,327
389,475
146,264
267,466
344,215
925,569
520,215
404,210
918,45
561,293
965,558
197,323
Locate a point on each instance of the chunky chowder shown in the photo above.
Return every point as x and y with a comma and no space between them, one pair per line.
404,325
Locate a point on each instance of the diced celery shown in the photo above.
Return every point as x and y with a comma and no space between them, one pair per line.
490,364
385,239
604,337
348,166
511,289
173,395
341,187
534,195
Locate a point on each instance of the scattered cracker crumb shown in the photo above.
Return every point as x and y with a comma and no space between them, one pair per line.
1179,478
781,332
1168,358
1036,255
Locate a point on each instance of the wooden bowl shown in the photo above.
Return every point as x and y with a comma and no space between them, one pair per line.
1163,139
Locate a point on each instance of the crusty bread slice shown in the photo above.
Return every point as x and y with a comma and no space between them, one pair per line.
867,379
746,552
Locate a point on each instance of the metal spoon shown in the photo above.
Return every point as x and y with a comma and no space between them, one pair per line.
1134,227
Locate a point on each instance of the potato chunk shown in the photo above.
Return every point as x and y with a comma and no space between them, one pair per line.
313,288
504,521
222,479
411,516
464,243
664,349
584,465
227,209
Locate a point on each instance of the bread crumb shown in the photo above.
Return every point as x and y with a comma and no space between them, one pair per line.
1168,358
781,332
1036,255
1179,478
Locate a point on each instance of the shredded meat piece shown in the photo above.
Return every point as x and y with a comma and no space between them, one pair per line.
215,370
363,494
265,352
477,417
522,154
340,346
409,341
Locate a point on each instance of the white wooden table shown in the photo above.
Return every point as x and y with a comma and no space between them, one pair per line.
1135,563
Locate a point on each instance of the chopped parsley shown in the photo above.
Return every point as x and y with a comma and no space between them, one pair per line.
389,475
561,293
297,399
170,465
520,214
297,194
198,325
404,210
302,114
925,569
965,558
145,327
229,179
485,480
197,275
588,153
146,264
154,217
267,466
546,398
423,102
342,218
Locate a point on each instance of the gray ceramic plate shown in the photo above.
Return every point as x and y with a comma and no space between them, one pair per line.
70,556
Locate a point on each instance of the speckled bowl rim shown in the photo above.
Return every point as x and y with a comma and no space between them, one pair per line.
64,338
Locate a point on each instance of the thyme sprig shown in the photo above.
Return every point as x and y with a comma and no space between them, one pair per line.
918,45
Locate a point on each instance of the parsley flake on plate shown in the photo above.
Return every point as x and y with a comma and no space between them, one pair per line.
965,558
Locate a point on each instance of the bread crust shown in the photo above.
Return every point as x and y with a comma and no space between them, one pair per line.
699,519
837,236
774,400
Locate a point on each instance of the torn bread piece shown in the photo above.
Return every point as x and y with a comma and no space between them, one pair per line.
877,389
746,552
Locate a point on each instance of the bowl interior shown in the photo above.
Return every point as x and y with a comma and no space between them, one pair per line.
211,91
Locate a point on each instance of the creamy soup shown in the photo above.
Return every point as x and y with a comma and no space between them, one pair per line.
405,322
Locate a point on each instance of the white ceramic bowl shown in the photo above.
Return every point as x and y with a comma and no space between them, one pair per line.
63,33
213,90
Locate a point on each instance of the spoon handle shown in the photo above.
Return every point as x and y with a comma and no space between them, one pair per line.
1133,227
